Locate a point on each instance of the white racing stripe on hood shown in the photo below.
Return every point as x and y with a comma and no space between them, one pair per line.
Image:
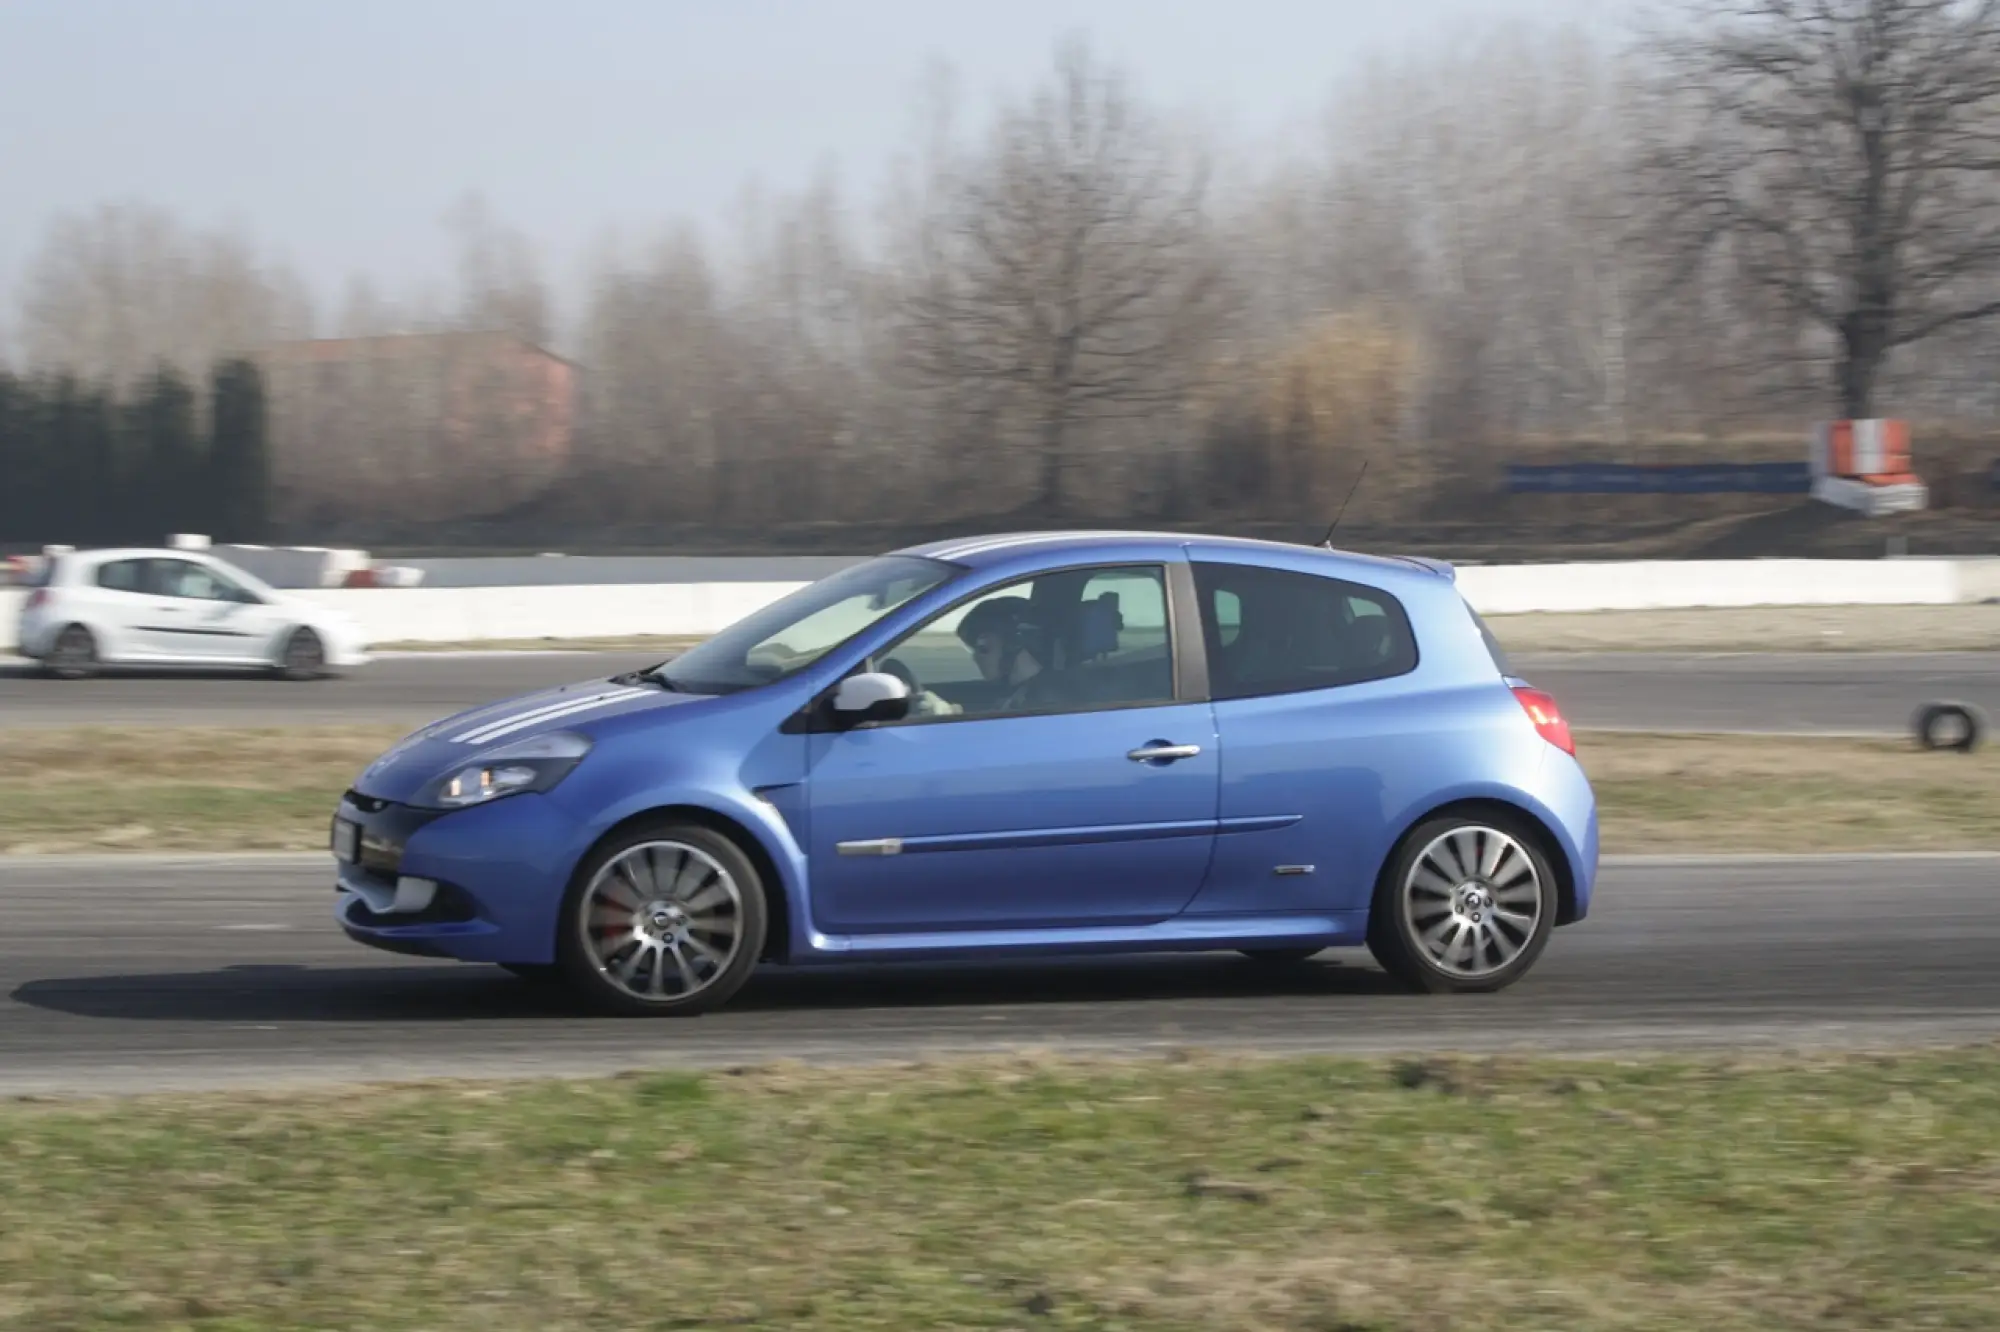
479,735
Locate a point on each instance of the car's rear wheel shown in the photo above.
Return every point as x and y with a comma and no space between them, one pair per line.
665,920
73,655
1465,904
304,656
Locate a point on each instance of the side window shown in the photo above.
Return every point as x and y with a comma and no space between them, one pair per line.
1059,642
1273,631
122,575
184,578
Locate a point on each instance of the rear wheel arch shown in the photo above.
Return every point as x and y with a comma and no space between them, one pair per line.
778,931
1534,825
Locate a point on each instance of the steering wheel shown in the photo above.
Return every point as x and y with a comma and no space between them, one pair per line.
895,667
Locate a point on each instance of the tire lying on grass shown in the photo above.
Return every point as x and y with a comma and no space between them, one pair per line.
1949,725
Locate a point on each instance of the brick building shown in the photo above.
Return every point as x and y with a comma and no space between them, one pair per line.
431,426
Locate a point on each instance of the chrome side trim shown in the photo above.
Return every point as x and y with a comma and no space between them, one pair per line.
880,846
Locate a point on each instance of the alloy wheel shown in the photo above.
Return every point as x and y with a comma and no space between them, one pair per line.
662,921
1472,901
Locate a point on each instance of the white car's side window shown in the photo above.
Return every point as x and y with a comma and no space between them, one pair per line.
195,582
122,576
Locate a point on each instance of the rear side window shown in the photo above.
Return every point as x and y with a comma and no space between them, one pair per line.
122,575
1274,631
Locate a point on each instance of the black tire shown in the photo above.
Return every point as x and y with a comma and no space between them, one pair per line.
303,659
1949,725
1281,957
1395,936
73,656
747,910
304,656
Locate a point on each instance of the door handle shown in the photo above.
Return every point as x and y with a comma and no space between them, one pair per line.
1161,752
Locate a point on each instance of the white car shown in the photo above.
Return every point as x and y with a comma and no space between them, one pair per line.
137,607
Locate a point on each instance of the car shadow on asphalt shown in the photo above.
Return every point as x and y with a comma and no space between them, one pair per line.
421,992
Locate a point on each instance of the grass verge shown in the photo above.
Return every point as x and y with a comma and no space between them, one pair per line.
171,788
1858,1193
1768,793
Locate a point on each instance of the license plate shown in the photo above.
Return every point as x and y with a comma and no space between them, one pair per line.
346,840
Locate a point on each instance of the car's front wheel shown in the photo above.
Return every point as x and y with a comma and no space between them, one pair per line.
1465,904
304,656
666,919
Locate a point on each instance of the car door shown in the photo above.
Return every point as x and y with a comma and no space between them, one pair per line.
1311,680
117,600
1086,800
207,615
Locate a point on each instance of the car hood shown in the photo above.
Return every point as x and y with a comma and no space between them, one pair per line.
425,755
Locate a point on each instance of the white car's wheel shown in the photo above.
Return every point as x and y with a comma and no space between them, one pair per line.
73,655
304,656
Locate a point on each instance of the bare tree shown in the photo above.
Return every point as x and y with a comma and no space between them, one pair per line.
1063,272
500,285
121,291
1844,155
1478,192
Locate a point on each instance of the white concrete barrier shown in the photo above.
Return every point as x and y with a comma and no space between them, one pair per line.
475,614
472,614
1511,589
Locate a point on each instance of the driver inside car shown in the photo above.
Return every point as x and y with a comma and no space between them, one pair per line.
1009,647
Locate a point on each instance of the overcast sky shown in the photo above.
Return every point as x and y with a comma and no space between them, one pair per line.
338,132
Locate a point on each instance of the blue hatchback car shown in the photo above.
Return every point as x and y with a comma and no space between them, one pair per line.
1052,743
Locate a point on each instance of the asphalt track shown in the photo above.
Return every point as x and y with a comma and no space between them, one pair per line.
1872,693
120,976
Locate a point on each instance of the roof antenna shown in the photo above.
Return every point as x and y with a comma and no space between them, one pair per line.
1327,540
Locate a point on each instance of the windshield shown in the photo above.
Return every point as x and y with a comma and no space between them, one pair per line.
793,632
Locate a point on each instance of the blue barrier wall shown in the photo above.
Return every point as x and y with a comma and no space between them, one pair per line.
1777,478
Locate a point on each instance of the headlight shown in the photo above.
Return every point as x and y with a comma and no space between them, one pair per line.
528,765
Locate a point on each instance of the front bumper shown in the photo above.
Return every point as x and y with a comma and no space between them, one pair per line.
479,885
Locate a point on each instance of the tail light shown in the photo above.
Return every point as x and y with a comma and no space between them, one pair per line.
37,597
1547,717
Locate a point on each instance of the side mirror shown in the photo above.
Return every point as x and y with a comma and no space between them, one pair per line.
873,696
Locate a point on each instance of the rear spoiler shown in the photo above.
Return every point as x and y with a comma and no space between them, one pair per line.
1442,568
